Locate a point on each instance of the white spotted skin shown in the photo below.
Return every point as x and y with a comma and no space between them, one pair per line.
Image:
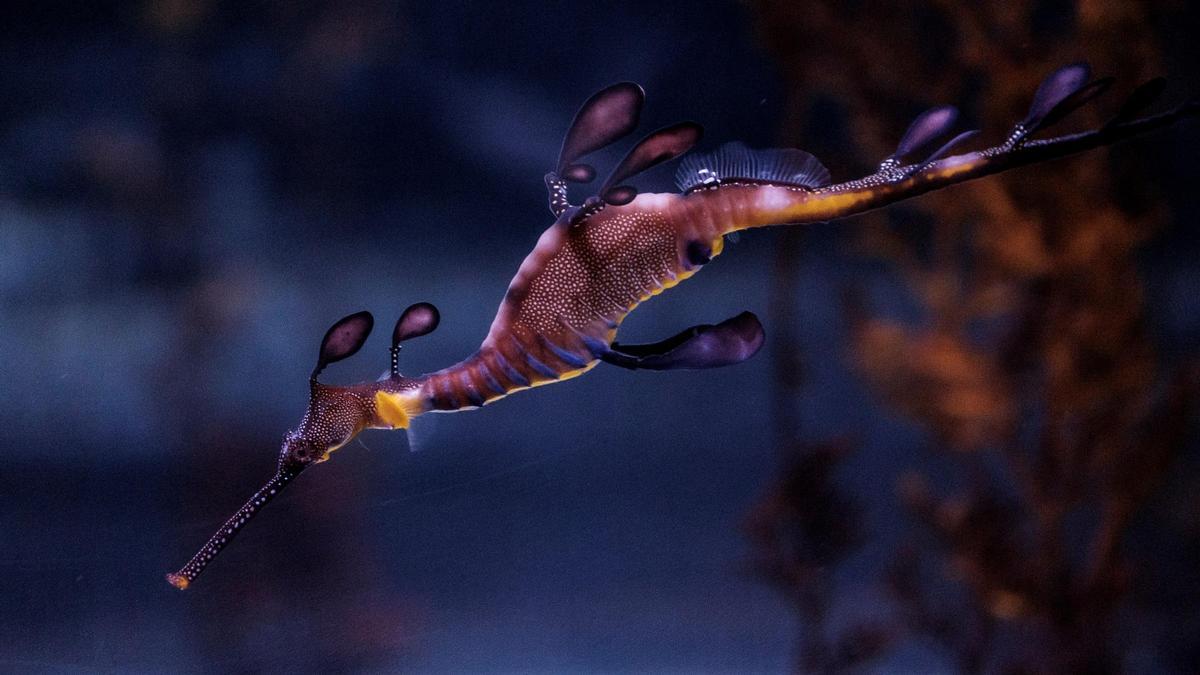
594,273
585,278
571,293
573,290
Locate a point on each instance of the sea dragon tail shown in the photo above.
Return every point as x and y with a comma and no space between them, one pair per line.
754,188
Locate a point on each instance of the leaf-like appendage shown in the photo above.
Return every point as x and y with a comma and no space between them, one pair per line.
1054,89
1062,92
1074,101
619,195
731,341
927,128
608,116
419,319
662,145
950,145
343,339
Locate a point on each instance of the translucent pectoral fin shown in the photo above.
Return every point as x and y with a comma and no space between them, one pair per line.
706,346
424,434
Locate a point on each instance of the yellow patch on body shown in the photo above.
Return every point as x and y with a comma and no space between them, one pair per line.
540,381
825,203
573,373
392,408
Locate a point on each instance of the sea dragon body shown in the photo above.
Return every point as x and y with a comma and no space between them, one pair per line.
598,261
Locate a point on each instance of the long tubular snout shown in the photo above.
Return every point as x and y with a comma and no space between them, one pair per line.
188,573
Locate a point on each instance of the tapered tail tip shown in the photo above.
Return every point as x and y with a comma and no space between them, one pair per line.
178,581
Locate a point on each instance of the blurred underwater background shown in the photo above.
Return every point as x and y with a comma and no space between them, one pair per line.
970,444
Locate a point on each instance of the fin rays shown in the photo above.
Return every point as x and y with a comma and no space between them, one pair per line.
732,161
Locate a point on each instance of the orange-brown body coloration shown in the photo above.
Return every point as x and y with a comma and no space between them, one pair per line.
581,280
596,263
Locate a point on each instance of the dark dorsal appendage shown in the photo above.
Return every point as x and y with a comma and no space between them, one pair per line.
1075,100
419,319
949,145
605,118
697,348
344,339
608,116
1056,87
924,131
661,146
1062,92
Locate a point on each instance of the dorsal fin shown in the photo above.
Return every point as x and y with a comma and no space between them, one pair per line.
732,161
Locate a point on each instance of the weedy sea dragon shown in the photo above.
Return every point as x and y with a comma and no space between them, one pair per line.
600,259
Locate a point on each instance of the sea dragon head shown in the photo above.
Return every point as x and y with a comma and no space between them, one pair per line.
335,415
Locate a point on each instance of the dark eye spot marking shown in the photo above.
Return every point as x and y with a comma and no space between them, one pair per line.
698,253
